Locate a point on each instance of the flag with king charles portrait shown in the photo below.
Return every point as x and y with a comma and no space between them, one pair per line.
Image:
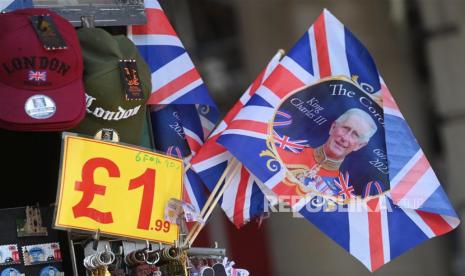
324,134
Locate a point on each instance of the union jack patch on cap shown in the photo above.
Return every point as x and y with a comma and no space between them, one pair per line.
37,75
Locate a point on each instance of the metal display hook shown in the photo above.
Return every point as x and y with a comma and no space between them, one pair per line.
94,239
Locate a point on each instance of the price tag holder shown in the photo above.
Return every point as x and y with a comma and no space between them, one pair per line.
116,188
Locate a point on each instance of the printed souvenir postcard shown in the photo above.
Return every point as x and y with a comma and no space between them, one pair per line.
9,254
41,253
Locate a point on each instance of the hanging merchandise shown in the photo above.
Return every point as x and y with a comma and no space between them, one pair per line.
41,253
118,257
180,212
117,83
99,262
318,130
211,261
41,74
9,254
28,243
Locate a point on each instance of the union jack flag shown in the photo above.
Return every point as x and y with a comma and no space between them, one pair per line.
37,75
383,227
243,199
177,86
287,143
10,5
346,191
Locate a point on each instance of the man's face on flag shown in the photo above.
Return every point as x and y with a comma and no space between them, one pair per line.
346,136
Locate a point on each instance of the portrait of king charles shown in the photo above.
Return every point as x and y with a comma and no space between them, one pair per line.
318,168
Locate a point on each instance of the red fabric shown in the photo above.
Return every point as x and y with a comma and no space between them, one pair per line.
28,69
248,248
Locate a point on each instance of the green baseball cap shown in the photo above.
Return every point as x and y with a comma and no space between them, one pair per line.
112,113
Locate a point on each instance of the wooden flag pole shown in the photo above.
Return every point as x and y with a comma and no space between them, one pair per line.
211,198
218,186
196,232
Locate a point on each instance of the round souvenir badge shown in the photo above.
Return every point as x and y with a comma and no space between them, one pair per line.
107,134
10,272
330,138
49,271
40,107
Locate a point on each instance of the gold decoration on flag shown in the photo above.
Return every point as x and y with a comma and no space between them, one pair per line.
272,164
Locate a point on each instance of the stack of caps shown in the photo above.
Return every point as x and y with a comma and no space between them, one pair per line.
41,86
117,83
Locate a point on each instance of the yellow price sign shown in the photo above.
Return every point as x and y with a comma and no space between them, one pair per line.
118,189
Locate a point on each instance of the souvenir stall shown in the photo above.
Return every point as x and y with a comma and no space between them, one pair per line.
76,87
114,155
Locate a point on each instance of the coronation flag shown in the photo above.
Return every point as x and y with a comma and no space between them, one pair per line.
243,199
382,217
182,112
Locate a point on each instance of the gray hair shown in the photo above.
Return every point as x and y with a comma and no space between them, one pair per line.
362,115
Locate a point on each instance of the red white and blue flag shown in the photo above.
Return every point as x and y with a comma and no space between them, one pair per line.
376,229
182,112
346,191
287,143
243,200
37,75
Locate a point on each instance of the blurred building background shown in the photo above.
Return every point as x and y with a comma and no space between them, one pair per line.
417,45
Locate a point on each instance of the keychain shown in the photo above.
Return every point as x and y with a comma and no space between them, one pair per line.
98,263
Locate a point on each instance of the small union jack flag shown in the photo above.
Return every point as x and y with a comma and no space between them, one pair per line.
346,190
37,75
286,143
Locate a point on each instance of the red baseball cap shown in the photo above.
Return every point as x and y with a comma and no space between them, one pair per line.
40,90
